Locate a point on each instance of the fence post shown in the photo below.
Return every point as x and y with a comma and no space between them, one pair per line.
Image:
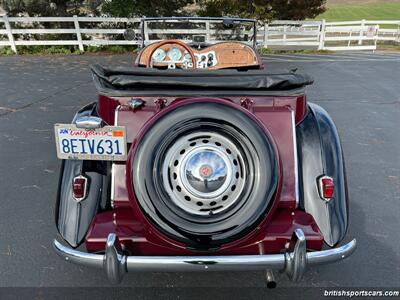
322,35
376,37
284,33
350,36
266,27
9,34
146,33
360,41
208,34
78,33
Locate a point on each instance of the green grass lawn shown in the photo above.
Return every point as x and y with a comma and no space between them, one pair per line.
368,11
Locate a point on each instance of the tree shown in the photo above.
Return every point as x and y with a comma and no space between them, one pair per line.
297,10
263,9
139,8
258,9
57,8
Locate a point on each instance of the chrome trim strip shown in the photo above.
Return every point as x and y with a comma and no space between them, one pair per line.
293,263
112,194
148,19
116,115
296,165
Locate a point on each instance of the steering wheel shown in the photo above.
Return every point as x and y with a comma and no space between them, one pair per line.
176,42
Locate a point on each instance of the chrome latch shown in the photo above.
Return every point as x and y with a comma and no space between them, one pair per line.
136,103
247,103
88,122
160,103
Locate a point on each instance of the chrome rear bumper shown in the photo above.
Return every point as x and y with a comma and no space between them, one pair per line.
292,263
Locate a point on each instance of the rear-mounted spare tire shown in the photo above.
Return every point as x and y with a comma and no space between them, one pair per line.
205,174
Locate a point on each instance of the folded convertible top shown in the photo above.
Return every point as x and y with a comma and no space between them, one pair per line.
141,81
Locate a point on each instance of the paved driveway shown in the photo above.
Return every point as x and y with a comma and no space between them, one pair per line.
361,92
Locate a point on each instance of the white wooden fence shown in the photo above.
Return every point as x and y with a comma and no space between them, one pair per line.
22,35
353,35
96,31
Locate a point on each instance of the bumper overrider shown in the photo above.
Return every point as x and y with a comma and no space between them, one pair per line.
293,263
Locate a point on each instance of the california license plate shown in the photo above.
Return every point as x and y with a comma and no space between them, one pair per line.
106,143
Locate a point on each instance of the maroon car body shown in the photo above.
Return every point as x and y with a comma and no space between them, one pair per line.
126,220
307,203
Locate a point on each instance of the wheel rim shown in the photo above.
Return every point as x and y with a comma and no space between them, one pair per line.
204,173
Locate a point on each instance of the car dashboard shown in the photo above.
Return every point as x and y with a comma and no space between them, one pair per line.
175,54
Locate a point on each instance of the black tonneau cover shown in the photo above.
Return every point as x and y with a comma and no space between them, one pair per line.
137,81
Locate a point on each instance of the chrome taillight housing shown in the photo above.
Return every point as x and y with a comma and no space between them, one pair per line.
326,187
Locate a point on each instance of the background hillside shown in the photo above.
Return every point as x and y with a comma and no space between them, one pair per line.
347,10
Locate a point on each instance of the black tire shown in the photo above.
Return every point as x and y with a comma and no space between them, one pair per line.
255,199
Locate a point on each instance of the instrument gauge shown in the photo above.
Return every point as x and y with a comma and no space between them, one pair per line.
159,55
174,54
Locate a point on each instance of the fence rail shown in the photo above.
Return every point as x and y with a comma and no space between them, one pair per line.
96,31
352,35
19,34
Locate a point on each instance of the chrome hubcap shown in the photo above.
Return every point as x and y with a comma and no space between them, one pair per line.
206,172
203,173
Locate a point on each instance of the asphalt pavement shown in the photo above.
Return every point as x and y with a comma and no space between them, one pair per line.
361,91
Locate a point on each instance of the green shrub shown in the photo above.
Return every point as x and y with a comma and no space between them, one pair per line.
266,51
49,50
6,51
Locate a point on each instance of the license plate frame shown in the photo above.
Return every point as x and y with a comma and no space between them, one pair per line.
113,137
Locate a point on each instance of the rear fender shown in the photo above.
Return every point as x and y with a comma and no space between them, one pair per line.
320,153
74,217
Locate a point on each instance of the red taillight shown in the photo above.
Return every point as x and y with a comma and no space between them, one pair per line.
326,187
79,184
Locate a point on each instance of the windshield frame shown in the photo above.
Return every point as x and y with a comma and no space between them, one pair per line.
252,22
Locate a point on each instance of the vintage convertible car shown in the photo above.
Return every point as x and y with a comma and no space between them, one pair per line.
197,158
